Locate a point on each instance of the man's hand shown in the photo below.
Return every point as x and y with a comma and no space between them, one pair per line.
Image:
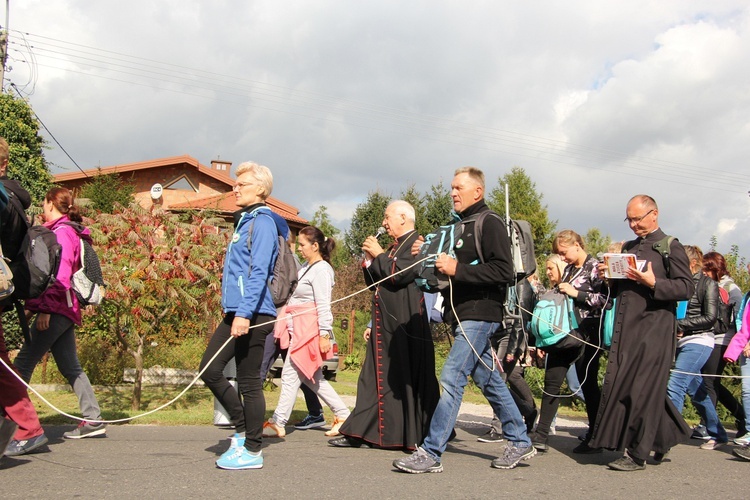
240,326
645,278
446,265
366,333
371,247
417,245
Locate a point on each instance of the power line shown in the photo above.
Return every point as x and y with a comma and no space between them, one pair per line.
49,132
365,115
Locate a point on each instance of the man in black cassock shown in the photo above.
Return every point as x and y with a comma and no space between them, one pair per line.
397,389
635,413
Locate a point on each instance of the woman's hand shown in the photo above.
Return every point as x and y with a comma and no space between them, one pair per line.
325,344
240,326
568,289
42,321
366,333
746,350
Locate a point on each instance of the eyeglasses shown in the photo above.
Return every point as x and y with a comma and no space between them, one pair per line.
240,185
630,220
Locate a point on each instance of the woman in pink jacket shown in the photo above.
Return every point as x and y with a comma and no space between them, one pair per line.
58,312
739,347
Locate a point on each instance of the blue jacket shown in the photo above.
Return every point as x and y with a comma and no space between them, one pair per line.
245,280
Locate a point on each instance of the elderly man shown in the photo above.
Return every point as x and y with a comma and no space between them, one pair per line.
397,389
477,299
635,413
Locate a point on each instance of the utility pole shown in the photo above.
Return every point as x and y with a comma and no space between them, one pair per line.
4,46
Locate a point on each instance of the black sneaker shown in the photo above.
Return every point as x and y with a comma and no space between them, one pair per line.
310,422
512,455
626,464
86,429
418,463
538,442
24,446
700,432
492,436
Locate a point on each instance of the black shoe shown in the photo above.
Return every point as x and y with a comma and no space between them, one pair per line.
24,446
538,442
492,436
585,449
348,442
659,457
626,464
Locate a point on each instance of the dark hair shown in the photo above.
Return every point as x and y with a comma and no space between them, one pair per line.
62,199
715,264
315,235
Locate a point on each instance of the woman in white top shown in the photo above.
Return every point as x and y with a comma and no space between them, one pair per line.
306,325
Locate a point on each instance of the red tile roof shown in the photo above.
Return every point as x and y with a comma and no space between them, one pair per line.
225,203
144,165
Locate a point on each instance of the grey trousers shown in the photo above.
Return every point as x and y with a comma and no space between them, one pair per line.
60,340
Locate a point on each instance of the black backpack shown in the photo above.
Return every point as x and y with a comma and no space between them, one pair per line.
36,265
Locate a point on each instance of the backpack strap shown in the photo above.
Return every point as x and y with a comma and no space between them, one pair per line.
663,247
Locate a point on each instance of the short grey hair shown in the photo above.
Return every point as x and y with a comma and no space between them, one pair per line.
260,173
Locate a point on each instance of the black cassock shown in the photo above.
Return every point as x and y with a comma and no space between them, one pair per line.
397,390
635,412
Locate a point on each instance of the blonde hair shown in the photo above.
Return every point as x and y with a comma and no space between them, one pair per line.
558,262
260,173
567,237
695,253
4,150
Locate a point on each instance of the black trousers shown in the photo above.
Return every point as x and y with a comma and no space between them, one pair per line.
248,413
716,390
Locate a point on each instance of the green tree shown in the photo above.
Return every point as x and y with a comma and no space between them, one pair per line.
437,207
596,242
158,270
322,221
367,218
737,267
416,200
525,204
27,164
105,191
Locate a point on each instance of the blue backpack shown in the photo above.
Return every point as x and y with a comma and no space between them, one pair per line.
553,318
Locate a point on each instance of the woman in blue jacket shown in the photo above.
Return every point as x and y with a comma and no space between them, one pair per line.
249,315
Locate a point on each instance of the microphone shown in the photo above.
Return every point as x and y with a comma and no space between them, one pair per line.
380,232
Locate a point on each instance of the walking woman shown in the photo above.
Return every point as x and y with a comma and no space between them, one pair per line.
58,312
695,342
307,333
581,282
249,314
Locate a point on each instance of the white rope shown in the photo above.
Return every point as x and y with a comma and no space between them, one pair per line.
193,382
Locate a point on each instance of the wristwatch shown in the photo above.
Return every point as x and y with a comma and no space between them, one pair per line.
325,335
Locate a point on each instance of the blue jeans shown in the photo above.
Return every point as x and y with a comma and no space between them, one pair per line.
462,362
691,358
745,372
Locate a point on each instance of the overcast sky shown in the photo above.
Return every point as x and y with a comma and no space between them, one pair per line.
596,100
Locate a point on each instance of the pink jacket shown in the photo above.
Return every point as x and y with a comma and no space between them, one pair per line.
59,298
740,339
302,320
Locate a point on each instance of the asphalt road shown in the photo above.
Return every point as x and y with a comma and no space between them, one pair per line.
135,461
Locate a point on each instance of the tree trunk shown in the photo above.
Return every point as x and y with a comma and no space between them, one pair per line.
135,404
